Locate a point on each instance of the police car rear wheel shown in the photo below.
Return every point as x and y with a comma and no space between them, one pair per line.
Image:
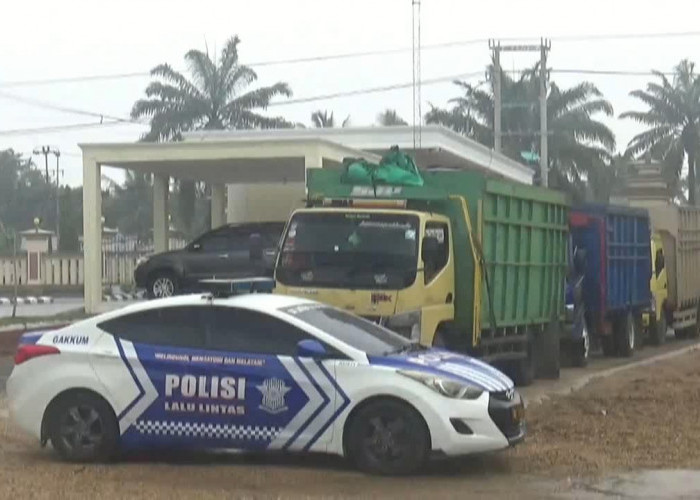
82,428
388,437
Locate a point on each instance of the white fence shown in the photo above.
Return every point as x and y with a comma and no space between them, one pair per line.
68,270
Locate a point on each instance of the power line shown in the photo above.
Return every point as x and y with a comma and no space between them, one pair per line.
57,128
366,53
610,72
65,109
372,90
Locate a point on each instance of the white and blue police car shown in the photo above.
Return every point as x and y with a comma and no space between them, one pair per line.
256,372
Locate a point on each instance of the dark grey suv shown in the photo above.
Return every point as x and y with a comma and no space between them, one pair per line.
231,251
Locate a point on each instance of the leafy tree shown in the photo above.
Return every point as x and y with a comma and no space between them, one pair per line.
130,206
322,119
389,117
214,97
673,118
577,141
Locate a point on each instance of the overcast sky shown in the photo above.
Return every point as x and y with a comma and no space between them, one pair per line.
46,39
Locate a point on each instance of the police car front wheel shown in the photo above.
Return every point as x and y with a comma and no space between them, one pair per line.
388,437
83,428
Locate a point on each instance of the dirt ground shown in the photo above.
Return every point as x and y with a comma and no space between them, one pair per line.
647,417
641,418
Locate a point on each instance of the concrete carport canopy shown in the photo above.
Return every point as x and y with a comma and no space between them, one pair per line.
260,160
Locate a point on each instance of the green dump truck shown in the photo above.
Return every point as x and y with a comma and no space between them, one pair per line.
456,260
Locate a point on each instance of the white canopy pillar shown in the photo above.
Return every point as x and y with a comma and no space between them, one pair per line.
161,225
92,234
218,205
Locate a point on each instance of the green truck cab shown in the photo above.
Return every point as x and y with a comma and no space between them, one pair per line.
464,262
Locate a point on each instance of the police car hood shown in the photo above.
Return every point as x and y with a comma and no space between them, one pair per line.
448,364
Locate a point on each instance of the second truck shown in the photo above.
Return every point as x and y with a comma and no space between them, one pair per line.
448,258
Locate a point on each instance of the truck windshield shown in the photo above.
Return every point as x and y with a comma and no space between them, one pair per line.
350,250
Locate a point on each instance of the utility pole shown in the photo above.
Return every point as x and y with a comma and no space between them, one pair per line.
545,45
417,105
497,95
57,153
46,151
543,49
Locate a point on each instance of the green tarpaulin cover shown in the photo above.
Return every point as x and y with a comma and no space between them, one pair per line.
395,168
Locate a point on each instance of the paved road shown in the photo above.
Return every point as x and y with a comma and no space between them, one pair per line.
60,305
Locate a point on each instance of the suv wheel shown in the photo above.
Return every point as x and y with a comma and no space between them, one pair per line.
162,284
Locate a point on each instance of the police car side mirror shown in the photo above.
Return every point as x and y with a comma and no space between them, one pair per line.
310,349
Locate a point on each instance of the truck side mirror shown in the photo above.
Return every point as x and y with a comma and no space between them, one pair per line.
255,247
429,252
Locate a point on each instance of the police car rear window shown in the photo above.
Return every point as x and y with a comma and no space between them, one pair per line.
171,326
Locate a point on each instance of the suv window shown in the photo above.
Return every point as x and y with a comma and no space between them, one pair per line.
242,330
168,326
214,242
439,231
237,239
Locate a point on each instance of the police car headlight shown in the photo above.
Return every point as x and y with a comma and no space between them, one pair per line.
405,324
446,387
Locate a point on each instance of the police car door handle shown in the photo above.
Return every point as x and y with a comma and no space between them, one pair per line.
223,256
104,354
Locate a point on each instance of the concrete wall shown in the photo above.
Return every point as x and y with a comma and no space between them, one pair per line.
263,202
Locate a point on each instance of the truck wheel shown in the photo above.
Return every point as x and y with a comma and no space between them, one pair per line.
162,284
387,437
657,329
548,347
581,348
625,333
693,332
607,343
524,369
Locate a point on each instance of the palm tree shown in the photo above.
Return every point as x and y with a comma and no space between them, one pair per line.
212,98
673,119
322,119
577,141
389,118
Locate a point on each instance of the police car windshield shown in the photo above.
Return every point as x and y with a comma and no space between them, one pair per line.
356,332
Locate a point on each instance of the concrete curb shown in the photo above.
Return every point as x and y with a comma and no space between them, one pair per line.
123,296
584,380
28,300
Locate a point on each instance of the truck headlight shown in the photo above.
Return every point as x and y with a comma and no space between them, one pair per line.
447,387
405,324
